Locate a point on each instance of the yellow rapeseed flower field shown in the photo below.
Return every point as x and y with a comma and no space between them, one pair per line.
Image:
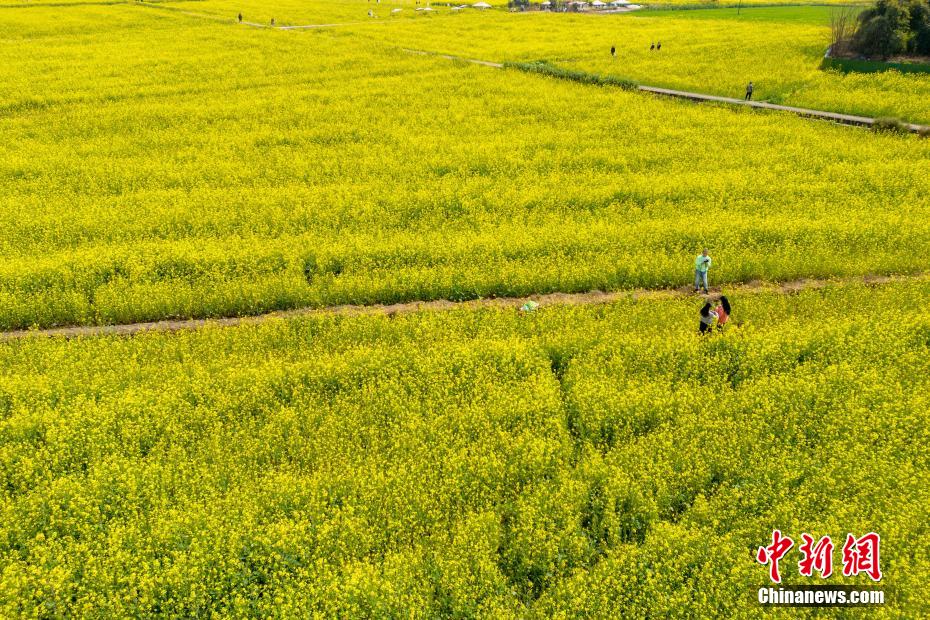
160,159
579,461
709,51
168,165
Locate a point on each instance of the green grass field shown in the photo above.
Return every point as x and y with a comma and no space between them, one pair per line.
591,460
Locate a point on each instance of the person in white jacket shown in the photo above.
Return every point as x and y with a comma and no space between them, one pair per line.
708,316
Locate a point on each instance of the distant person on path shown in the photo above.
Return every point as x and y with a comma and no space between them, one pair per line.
749,89
240,18
659,46
723,312
272,21
652,47
708,316
613,51
701,265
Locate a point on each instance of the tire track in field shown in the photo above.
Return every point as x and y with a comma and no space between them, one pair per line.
439,305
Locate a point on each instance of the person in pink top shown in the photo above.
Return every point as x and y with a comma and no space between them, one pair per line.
723,312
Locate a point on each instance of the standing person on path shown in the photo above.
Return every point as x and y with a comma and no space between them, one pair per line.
613,51
240,18
652,47
708,317
701,265
659,46
749,89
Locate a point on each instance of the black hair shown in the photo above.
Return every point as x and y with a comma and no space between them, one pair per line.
705,311
725,303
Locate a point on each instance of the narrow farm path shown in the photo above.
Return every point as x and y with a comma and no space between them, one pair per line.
836,117
547,299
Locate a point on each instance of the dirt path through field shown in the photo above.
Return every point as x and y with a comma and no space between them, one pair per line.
544,300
